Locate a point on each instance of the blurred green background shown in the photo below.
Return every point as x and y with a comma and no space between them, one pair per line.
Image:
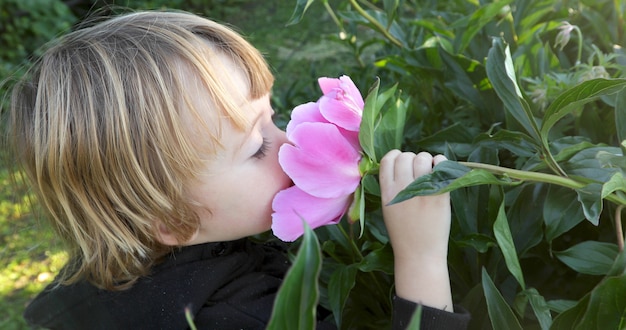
298,54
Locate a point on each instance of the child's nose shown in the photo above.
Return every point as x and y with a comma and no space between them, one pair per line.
281,136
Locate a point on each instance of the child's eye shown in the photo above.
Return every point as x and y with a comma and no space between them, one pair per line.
262,150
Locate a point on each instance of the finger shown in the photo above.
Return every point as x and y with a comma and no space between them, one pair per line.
387,163
422,164
438,159
404,172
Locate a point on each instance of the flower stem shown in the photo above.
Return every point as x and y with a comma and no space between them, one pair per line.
527,175
580,44
376,24
540,177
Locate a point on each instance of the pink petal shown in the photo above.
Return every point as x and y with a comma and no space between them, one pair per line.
292,206
344,83
341,111
321,162
304,113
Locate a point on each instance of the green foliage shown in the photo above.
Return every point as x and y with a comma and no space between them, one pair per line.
300,288
24,27
528,98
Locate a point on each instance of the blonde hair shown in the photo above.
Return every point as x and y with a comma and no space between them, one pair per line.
97,126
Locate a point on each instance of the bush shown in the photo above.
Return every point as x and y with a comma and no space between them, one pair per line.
527,97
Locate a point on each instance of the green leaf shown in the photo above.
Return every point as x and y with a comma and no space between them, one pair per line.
457,137
568,319
479,242
607,305
590,197
594,164
481,17
500,312
371,185
576,96
356,211
296,302
416,319
540,308
516,142
561,305
589,257
299,10
502,76
616,183
380,259
505,240
391,8
620,115
561,211
613,160
370,115
389,133
619,266
341,283
458,79
448,176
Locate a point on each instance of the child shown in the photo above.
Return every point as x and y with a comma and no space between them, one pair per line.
149,140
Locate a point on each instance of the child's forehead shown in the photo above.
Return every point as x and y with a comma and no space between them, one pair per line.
216,85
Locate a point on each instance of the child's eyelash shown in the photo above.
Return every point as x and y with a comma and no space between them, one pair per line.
262,152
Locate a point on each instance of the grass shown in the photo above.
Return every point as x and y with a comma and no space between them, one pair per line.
30,256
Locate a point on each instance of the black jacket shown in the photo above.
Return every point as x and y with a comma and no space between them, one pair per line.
228,285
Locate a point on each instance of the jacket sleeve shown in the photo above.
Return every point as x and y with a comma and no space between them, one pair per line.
432,318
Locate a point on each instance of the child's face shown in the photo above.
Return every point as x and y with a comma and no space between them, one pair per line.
236,189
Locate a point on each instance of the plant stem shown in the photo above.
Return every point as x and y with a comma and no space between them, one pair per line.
540,177
356,250
580,44
333,16
376,24
618,227
527,175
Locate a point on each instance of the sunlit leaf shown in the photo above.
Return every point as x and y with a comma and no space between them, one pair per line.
503,78
370,115
616,183
574,97
389,130
505,241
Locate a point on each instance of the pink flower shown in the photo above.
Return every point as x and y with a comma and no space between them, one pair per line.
322,160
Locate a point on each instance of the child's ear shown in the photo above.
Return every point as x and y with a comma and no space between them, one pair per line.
164,235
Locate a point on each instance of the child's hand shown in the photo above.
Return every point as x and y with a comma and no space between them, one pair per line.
418,229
